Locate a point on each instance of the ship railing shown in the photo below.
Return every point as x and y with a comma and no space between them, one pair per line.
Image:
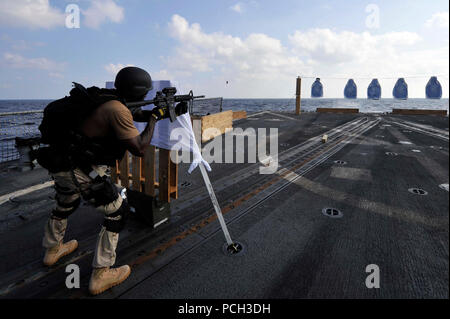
17,124
25,125
207,106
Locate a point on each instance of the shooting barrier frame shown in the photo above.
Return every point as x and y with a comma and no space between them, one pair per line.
139,173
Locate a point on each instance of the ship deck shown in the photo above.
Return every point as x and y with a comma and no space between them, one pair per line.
291,249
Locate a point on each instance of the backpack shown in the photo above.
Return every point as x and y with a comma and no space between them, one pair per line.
63,117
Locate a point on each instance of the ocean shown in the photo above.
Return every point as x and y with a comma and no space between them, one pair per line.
286,105
26,125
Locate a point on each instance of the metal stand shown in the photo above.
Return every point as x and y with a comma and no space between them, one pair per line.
231,245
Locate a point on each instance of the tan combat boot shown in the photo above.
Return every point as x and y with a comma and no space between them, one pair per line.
104,278
52,255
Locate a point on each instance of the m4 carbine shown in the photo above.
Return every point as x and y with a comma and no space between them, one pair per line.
166,100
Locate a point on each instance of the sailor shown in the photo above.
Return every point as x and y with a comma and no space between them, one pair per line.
102,138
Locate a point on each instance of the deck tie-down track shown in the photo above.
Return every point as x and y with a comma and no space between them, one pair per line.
308,160
423,129
285,158
291,165
286,176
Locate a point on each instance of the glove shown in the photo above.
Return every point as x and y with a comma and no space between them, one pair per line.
160,113
181,108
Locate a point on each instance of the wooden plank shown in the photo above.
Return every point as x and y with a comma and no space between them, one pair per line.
419,112
124,171
237,115
336,110
149,170
164,175
173,174
219,121
136,173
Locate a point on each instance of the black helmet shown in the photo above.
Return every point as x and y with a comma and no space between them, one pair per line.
133,83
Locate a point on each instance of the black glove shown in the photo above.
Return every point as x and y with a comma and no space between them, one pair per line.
181,108
160,113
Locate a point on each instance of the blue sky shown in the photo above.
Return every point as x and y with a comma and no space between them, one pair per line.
258,46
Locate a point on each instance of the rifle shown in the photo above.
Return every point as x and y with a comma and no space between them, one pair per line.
166,99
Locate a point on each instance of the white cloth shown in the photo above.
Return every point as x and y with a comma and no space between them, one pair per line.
163,129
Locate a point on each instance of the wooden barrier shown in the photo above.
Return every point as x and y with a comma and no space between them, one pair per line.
215,124
336,110
419,112
143,173
237,115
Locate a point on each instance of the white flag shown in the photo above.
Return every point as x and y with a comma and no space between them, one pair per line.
185,139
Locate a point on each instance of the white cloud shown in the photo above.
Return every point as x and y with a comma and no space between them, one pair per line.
30,14
18,44
19,62
101,11
325,45
36,14
162,75
238,7
115,68
349,54
262,66
438,20
56,75
258,55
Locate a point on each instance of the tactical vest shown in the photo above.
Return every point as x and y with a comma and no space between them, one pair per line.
60,129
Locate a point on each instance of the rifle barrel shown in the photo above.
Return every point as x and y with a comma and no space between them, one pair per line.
148,102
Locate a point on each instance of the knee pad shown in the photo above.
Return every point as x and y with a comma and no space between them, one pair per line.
115,222
69,208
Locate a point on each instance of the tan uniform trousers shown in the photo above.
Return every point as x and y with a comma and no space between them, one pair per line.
105,250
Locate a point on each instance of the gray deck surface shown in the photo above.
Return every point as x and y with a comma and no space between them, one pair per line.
291,250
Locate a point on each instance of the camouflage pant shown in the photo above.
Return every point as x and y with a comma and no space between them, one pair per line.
69,189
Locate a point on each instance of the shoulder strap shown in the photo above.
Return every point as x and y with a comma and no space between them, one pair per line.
94,95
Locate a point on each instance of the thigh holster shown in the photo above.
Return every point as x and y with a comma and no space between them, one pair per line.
103,191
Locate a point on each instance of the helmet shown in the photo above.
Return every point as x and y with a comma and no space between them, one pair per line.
133,83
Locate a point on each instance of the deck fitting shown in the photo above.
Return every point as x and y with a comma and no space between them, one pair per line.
235,249
185,184
332,212
418,191
339,162
391,154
